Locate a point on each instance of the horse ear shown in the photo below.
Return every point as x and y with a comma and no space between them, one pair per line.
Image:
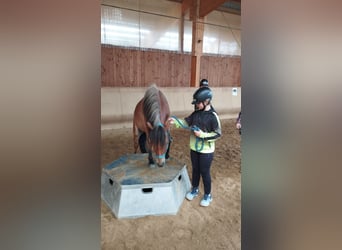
149,125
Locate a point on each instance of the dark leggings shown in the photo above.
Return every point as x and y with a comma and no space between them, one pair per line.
201,167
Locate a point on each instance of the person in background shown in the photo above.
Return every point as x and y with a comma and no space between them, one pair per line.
204,83
205,128
238,122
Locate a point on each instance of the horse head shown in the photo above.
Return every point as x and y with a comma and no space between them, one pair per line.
159,139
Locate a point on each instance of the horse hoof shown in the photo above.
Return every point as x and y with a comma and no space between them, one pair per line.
152,165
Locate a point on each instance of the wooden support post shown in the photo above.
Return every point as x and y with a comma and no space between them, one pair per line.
181,35
197,44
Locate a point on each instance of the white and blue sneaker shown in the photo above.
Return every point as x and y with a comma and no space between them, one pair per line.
207,199
191,195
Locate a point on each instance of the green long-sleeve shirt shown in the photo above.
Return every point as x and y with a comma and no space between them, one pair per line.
209,123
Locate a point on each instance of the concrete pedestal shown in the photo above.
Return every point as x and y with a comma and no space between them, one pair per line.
130,188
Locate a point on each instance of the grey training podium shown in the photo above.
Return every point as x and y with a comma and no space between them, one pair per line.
130,188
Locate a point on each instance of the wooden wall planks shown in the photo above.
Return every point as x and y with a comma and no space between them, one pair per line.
122,67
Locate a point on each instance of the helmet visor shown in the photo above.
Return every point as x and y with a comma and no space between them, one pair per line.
194,101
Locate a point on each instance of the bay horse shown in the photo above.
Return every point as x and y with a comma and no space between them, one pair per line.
151,129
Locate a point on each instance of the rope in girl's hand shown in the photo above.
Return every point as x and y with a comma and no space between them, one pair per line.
192,128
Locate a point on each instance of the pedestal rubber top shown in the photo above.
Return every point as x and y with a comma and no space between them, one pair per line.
133,169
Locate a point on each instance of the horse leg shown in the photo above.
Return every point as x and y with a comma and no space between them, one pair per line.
142,143
167,156
150,159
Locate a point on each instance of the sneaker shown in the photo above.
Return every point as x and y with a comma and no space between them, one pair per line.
206,200
191,195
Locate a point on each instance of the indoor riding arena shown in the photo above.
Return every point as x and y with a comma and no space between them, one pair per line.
173,44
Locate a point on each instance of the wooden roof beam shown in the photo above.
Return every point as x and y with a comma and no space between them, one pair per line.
206,6
186,4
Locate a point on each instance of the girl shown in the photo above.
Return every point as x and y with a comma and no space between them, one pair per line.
206,129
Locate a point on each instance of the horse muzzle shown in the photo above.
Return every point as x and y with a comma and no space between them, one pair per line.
160,160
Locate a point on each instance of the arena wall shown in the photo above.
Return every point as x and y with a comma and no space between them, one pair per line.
118,104
122,67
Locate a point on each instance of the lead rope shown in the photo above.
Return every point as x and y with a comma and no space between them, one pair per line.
192,128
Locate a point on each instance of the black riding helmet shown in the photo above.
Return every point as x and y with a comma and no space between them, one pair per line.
201,95
204,83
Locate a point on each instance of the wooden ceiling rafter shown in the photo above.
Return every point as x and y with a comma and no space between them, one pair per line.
207,6
186,4
231,6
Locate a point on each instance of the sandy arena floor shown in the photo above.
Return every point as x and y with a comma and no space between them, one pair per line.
194,227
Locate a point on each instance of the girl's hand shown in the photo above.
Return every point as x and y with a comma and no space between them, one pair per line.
198,133
171,121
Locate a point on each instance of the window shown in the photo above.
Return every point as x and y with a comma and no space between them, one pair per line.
131,27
